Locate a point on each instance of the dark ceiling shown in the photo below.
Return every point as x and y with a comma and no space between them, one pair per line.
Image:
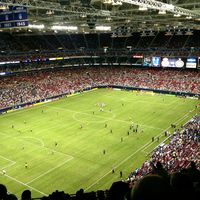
86,14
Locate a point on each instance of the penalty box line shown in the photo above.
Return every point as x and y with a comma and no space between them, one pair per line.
49,171
9,165
14,179
7,159
41,146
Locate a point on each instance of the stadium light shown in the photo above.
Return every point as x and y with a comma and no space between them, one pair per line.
177,15
65,28
162,12
103,28
142,8
188,17
3,7
50,12
36,26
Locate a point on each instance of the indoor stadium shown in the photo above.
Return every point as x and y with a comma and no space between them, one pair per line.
99,99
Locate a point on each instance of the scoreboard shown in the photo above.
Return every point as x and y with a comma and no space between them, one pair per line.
14,16
171,62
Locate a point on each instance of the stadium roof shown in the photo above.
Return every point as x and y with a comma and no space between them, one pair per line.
114,15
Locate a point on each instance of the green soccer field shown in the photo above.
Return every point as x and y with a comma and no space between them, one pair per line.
63,142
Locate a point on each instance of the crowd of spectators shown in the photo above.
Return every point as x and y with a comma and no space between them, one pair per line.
38,85
183,147
173,172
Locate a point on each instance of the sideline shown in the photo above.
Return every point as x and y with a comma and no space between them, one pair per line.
140,149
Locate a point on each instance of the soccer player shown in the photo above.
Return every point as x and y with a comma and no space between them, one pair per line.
26,165
152,139
56,144
121,174
166,134
104,152
3,171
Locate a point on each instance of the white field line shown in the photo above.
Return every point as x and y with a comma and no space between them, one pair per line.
116,166
151,127
53,150
140,149
52,126
14,179
149,102
114,119
179,120
7,159
42,105
48,171
89,121
37,139
9,165
168,137
20,139
21,111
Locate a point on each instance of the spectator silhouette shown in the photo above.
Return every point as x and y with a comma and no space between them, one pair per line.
151,187
182,186
11,197
194,173
118,191
3,192
159,170
26,195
